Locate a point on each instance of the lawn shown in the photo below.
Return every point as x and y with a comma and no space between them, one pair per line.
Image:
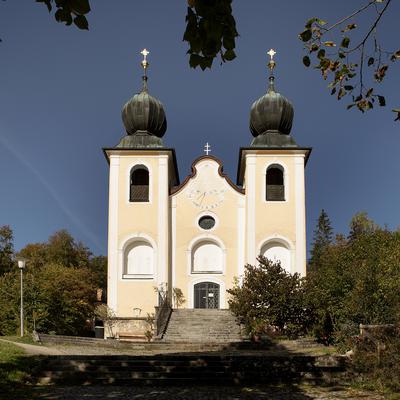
15,369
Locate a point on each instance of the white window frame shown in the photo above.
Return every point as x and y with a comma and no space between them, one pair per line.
139,163
126,244
284,168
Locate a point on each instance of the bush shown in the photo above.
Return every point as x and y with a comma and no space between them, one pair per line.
379,368
270,297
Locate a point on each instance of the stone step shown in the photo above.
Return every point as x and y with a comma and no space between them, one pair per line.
174,369
202,325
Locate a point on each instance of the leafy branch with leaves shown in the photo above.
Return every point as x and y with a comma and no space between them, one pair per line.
344,62
210,32
69,11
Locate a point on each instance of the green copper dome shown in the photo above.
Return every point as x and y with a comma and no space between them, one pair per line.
271,113
144,113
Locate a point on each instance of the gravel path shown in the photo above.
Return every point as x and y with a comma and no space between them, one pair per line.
201,393
37,350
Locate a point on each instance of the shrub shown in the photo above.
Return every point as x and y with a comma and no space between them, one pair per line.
270,297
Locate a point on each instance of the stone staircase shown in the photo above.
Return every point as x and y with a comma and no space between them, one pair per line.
202,325
193,369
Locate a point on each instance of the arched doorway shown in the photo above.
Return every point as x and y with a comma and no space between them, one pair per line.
206,295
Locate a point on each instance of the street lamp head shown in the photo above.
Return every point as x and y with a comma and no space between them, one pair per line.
21,262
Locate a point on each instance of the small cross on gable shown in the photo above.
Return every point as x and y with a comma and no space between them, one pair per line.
207,149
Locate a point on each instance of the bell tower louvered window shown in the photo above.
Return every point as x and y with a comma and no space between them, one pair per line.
139,184
275,184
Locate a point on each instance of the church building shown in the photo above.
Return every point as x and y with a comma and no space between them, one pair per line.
198,234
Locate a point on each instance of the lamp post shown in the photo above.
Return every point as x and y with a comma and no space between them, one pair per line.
21,265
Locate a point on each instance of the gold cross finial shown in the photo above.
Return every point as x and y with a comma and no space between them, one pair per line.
271,63
271,53
145,63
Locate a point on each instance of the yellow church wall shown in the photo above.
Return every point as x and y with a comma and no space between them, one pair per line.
133,221
275,217
187,232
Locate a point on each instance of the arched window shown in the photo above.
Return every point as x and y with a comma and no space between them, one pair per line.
277,251
139,259
139,184
275,187
207,257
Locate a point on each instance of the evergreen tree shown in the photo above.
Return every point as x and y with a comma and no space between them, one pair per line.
6,249
323,234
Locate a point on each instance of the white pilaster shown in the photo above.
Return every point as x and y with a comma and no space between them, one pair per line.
113,233
162,270
300,265
251,208
241,238
173,241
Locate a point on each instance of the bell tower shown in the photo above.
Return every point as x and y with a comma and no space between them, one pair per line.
271,171
142,172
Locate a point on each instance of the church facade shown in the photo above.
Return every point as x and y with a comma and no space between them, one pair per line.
197,235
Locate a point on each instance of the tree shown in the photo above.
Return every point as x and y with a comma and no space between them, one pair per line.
322,238
62,249
69,11
98,266
358,280
270,296
360,224
211,33
347,63
6,249
60,299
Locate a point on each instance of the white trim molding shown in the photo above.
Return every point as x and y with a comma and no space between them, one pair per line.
285,169
300,216
206,237
112,267
163,221
284,241
124,244
205,214
251,207
139,161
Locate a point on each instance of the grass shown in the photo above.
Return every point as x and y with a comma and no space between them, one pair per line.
15,371
27,339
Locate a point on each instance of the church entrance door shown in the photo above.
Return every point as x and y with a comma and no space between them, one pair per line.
206,295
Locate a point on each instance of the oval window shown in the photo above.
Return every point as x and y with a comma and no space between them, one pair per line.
206,222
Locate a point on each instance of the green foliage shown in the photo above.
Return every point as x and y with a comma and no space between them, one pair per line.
360,224
380,370
210,31
358,280
15,372
347,58
69,11
322,238
98,266
179,298
60,298
60,282
6,249
270,296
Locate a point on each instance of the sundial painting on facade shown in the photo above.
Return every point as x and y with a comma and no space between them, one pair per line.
197,235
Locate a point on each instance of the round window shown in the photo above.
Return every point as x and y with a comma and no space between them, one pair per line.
207,222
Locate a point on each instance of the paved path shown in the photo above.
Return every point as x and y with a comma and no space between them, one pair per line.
201,393
36,350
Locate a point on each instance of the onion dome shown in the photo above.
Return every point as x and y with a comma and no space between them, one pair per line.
271,116
143,117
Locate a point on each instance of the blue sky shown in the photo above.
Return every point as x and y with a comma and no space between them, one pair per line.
62,90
